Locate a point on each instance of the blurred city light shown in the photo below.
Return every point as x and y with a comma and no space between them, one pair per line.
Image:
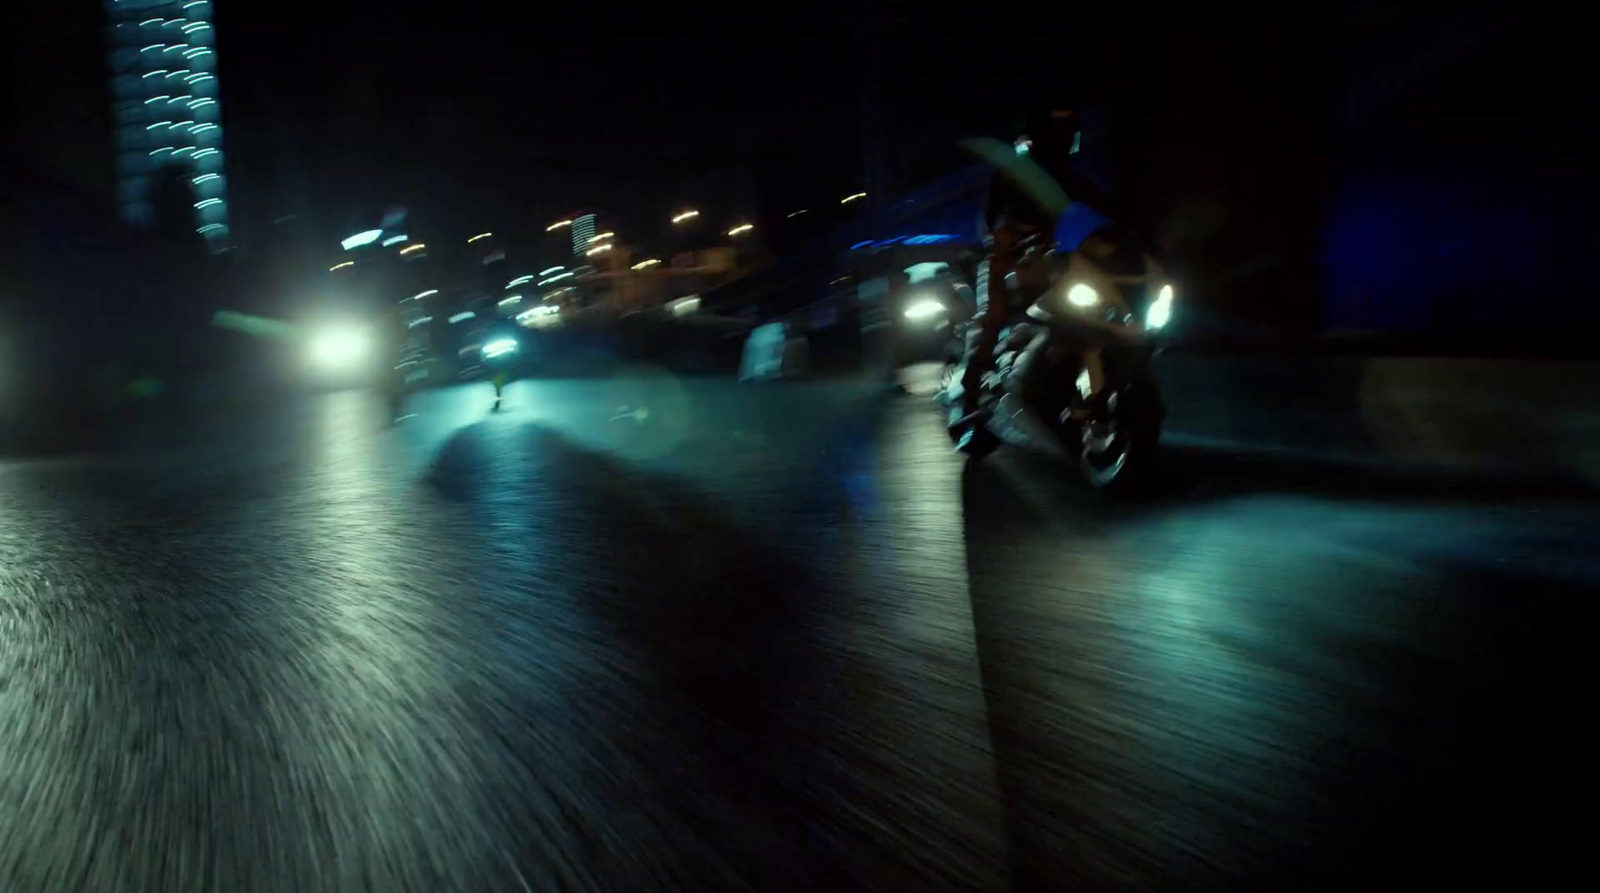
410,248
393,240
510,299
499,347
558,277
741,229
463,316
684,306
348,263
210,227
423,294
479,236
518,281
598,249
557,225
646,263
850,198
419,321
543,315
207,202
204,177
259,326
684,215
600,237
555,269
798,213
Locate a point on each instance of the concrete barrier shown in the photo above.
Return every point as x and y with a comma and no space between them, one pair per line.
1511,416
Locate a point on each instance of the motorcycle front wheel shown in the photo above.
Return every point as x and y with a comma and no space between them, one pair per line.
1124,456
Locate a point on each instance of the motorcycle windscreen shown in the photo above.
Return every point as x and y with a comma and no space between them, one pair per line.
1077,223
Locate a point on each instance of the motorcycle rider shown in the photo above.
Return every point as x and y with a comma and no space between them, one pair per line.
1026,198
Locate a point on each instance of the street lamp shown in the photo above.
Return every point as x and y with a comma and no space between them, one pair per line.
684,215
741,229
557,225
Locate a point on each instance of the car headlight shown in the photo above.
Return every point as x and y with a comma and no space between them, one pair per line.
340,347
1081,295
924,308
1160,310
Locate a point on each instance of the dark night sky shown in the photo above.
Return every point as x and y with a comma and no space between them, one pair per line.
489,119
476,117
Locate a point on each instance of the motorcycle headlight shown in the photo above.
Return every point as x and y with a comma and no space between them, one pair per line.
1081,295
1160,309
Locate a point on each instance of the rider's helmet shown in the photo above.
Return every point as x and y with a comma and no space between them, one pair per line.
1052,129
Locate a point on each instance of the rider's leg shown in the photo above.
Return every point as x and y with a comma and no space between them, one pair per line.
1093,365
980,353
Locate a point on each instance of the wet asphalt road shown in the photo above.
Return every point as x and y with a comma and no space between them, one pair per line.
649,633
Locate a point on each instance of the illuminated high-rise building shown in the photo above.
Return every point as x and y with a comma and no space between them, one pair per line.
165,114
582,232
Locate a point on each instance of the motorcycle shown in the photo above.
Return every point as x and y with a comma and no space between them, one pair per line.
1039,394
